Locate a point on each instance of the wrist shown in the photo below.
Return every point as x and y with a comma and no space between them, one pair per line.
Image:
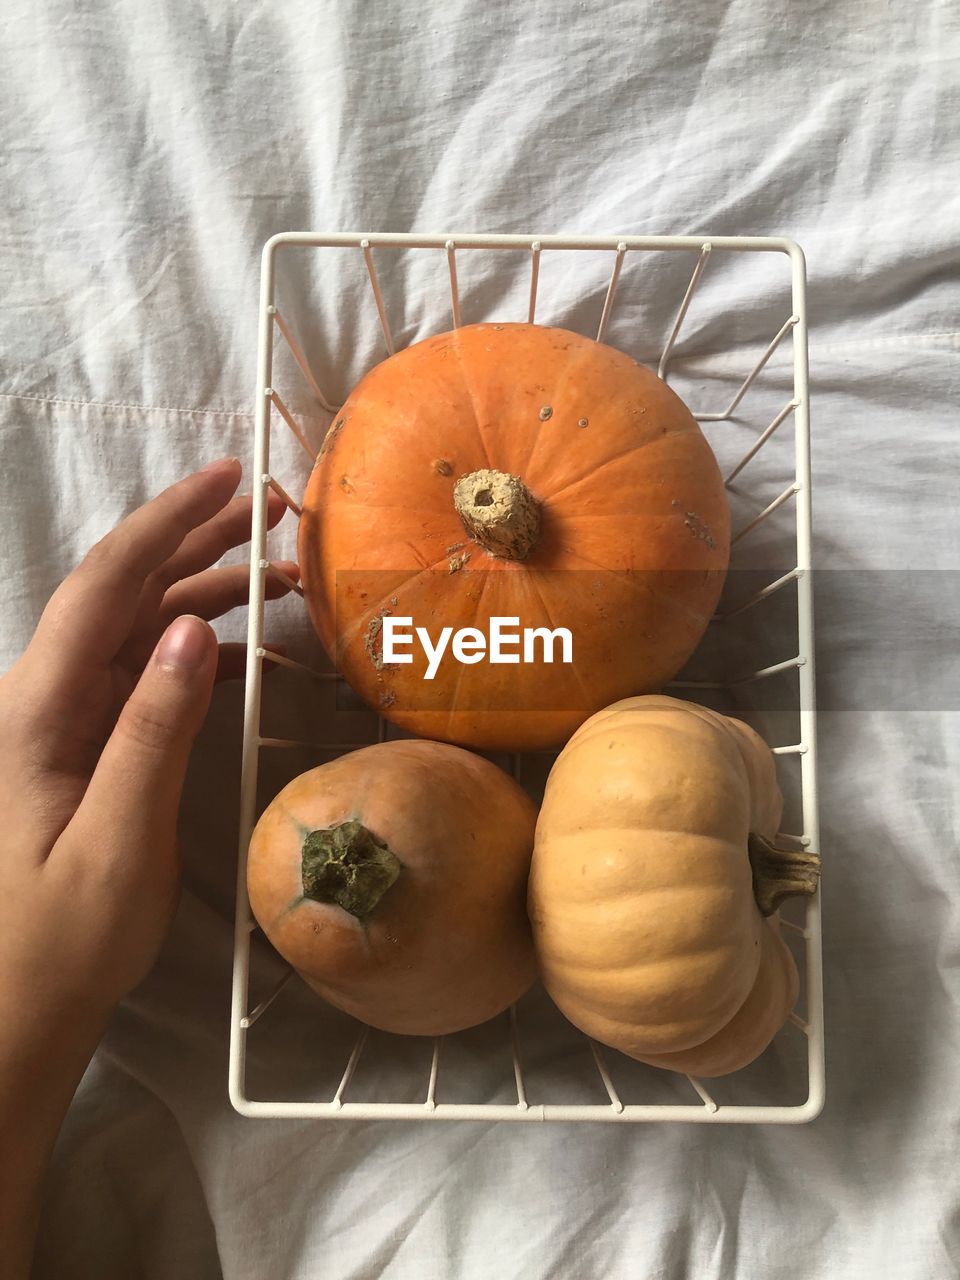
45,1009
43,1044
42,1059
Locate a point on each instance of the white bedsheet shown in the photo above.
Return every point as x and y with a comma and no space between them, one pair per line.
147,151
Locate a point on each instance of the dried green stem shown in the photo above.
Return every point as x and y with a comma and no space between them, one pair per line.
780,873
348,866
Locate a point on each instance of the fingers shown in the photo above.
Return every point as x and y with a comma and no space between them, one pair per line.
233,660
217,591
208,595
130,806
228,529
201,548
91,613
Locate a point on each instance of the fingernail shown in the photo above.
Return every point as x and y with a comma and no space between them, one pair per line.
219,465
185,644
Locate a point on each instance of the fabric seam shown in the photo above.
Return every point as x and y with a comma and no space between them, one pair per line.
143,408
906,340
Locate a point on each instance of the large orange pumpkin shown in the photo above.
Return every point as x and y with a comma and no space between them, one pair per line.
522,472
394,881
655,882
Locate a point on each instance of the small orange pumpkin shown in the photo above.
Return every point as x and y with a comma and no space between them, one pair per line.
393,879
513,471
655,882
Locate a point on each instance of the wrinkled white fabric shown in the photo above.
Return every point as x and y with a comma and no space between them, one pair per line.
147,153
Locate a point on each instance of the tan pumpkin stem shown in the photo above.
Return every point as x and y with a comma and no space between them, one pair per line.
499,511
780,873
348,866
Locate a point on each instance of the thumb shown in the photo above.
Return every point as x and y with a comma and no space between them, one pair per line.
137,783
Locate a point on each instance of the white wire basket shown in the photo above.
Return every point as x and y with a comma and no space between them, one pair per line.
762,641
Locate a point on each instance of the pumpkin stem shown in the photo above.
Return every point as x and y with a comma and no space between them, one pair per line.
780,873
499,511
347,865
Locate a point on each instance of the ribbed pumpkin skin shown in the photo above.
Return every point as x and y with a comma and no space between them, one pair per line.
632,551
647,932
448,946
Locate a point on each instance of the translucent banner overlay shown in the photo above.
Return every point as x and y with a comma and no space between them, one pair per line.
497,639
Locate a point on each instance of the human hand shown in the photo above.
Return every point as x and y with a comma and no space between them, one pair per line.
97,720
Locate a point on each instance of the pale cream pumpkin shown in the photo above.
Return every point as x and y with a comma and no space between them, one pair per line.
654,886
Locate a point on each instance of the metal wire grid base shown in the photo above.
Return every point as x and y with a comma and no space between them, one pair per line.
269,403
